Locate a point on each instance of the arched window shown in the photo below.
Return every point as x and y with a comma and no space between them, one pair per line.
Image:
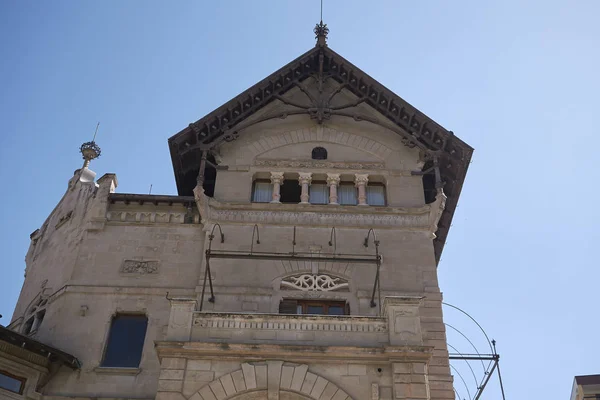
34,316
319,153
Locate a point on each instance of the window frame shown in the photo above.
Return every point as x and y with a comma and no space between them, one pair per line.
102,363
254,182
325,303
385,203
21,379
348,183
310,195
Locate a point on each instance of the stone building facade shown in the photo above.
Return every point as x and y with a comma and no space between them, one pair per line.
299,260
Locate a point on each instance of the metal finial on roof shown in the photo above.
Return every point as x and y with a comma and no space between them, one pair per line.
90,150
321,30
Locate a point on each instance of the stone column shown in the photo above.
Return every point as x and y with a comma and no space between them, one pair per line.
333,180
360,181
304,179
276,180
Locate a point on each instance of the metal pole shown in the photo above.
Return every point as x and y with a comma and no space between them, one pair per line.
212,293
485,382
499,375
204,283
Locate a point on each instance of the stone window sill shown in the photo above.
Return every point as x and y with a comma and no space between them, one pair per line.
117,371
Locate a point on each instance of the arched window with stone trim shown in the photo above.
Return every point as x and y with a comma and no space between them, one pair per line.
35,315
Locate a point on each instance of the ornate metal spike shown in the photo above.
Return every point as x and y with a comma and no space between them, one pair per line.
321,31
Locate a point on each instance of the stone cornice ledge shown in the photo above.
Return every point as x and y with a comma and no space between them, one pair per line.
293,353
211,210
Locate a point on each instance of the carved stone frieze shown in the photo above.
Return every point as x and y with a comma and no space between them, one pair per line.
213,211
290,322
150,217
318,164
139,267
311,282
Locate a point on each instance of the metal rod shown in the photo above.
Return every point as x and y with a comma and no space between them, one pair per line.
254,229
476,323
463,380
96,132
375,284
294,242
289,257
204,284
212,293
472,345
468,365
473,357
499,374
333,240
485,382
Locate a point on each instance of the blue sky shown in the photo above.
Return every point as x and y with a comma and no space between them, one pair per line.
516,80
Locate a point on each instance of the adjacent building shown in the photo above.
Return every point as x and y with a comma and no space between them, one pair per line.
297,262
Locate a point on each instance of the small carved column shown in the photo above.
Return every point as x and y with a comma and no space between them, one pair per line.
333,180
276,180
360,181
304,179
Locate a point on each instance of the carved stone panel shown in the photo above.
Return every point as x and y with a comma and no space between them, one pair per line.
310,282
139,267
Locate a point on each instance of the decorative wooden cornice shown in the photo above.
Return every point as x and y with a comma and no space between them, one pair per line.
414,128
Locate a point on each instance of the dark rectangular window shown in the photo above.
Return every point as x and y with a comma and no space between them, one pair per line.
11,382
313,307
290,191
125,341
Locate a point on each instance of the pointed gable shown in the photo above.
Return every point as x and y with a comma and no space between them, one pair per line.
440,147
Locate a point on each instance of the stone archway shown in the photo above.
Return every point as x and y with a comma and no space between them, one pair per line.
271,380
262,395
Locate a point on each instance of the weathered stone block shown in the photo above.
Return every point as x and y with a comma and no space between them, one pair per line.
169,386
357,369
172,363
198,365
171,374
